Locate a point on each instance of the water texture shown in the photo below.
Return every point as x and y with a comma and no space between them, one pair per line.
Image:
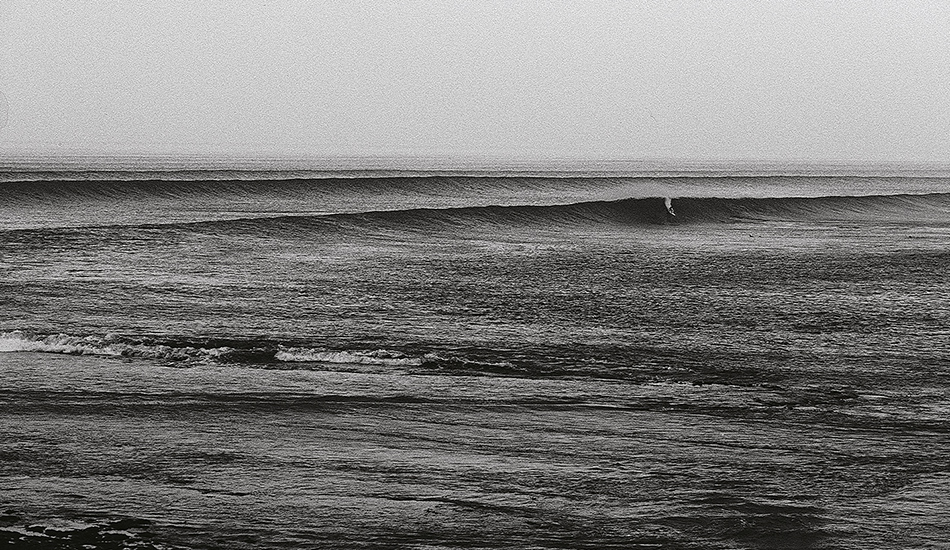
199,354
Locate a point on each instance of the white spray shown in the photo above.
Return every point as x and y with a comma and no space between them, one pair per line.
669,205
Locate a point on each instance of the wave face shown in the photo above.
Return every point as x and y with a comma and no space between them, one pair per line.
51,199
898,208
657,211
585,216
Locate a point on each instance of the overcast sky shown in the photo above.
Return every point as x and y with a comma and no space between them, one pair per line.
667,79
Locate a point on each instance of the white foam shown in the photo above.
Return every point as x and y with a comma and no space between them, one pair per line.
108,345
374,357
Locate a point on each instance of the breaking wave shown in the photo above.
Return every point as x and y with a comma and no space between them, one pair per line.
194,353
894,208
374,357
260,353
109,345
593,216
624,212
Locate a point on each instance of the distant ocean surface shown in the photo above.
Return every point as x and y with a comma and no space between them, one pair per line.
383,353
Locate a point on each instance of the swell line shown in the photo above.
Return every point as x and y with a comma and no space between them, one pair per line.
630,212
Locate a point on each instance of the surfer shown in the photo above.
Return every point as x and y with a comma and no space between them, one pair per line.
669,206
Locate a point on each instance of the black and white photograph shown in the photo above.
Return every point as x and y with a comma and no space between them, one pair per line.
480,275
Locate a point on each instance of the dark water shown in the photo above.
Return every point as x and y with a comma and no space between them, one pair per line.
275,357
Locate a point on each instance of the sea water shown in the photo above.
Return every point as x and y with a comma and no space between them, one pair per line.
386,353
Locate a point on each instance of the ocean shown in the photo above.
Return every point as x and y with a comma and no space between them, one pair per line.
231,353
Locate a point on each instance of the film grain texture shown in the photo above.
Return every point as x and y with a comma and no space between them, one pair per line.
248,355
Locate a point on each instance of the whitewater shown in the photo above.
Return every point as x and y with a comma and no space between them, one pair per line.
406,353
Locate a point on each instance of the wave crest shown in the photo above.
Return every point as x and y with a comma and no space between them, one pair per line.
374,357
109,345
245,352
619,213
263,354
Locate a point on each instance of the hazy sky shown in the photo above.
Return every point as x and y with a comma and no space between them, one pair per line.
671,79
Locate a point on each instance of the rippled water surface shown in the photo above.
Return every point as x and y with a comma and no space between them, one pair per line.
195,360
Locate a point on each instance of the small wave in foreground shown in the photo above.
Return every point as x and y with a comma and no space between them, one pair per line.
262,353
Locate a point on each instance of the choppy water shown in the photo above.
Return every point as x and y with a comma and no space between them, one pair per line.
202,356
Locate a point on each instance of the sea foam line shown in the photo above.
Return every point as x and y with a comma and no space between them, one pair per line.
116,346
250,353
109,345
374,357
